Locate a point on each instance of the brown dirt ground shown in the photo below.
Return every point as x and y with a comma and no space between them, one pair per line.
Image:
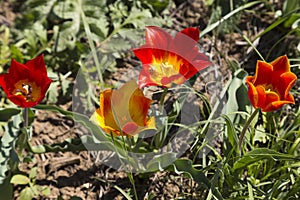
75,174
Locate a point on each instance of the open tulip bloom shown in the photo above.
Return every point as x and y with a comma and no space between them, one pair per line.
168,60
123,111
269,88
26,84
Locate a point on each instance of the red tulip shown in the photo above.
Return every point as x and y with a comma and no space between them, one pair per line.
269,88
168,60
123,111
26,85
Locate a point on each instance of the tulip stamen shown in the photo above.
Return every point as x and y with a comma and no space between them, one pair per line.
270,88
25,91
167,69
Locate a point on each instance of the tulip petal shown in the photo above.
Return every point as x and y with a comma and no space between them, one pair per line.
138,108
200,64
26,85
105,111
271,97
100,121
151,123
263,73
274,106
37,64
168,60
281,64
192,32
252,92
262,97
269,88
123,111
149,55
130,128
285,83
145,80
177,79
157,37
18,71
3,82
183,42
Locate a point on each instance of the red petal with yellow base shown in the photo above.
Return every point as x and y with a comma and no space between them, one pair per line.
26,84
269,88
123,111
167,60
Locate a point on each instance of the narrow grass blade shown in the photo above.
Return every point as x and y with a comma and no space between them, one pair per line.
216,24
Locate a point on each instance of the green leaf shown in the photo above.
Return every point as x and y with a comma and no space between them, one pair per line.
62,82
292,21
96,18
216,24
271,27
7,113
237,96
260,154
69,12
185,166
26,194
16,53
98,141
32,173
158,5
7,144
138,18
260,135
35,189
290,5
20,179
231,135
46,191
160,162
4,47
6,189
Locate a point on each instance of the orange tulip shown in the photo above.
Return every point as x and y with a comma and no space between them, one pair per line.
123,111
26,84
168,60
269,88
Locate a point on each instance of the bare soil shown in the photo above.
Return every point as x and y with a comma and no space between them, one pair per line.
76,174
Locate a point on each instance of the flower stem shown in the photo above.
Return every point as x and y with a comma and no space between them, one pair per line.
25,115
131,179
246,126
162,99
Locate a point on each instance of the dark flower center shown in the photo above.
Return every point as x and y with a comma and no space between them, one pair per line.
28,90
271,88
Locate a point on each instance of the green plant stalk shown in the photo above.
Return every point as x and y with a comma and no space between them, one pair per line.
125,194
208,121
233,12
280,40
91,44
130,176
162,100
276,23
249,42
162,134
246,126
25,117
